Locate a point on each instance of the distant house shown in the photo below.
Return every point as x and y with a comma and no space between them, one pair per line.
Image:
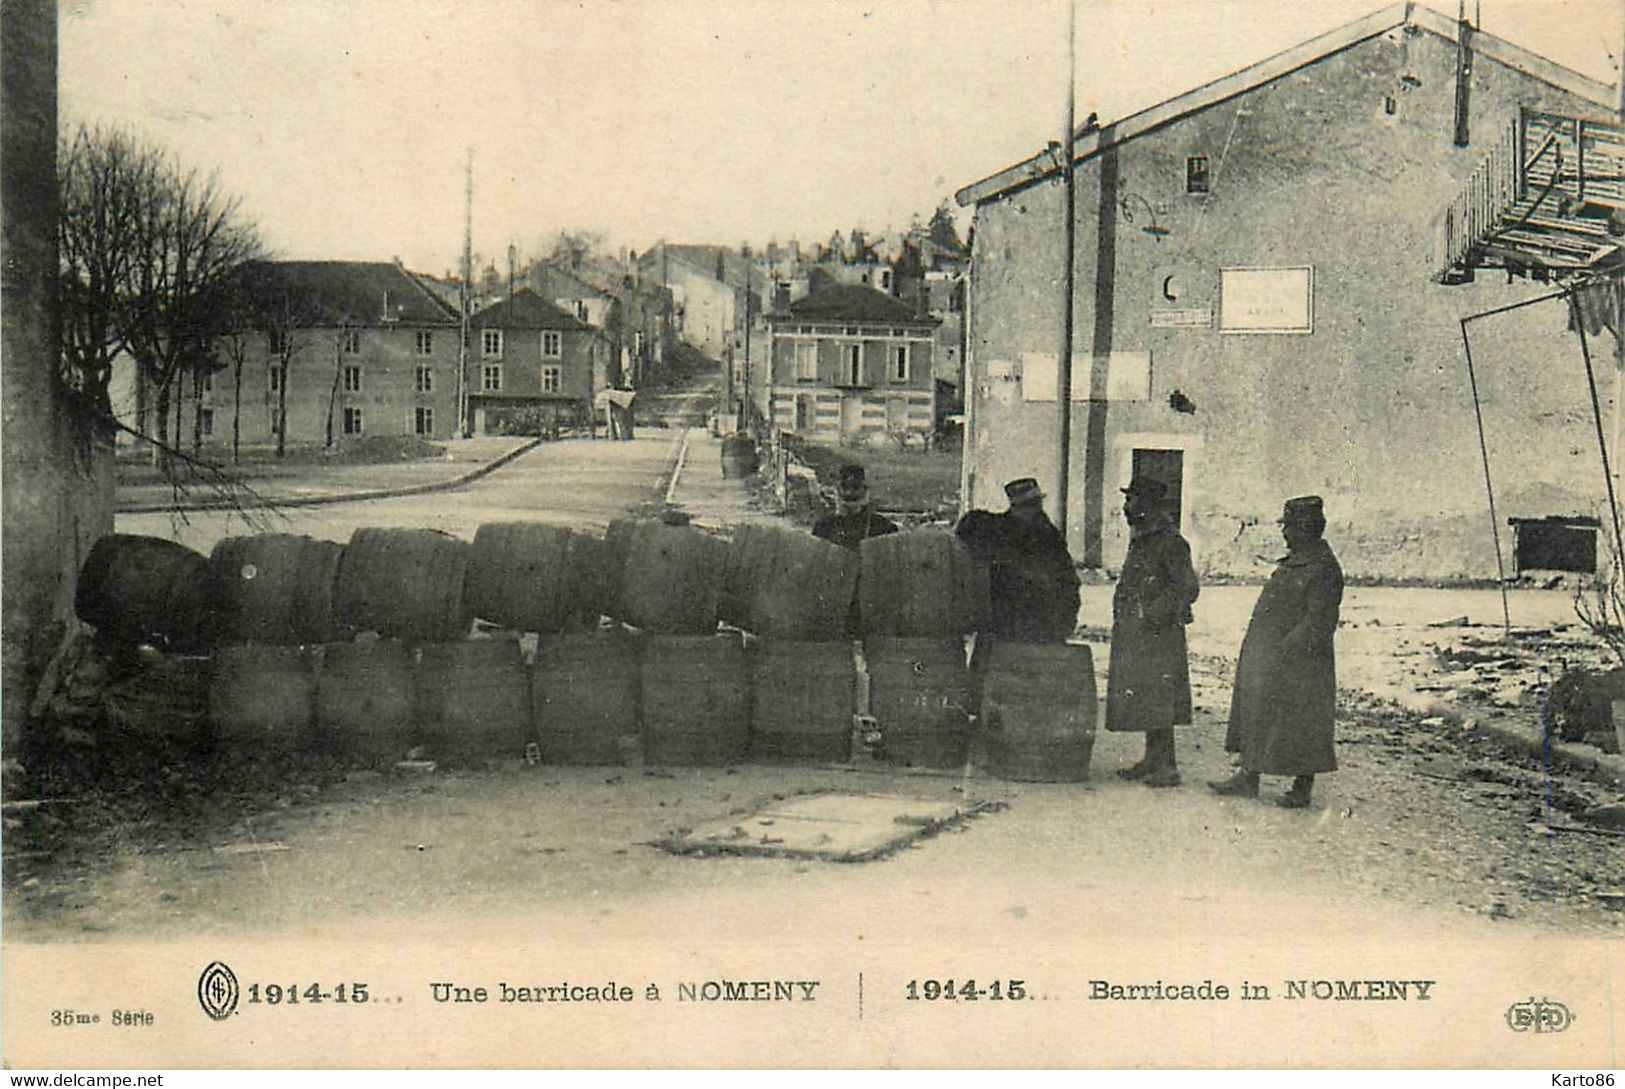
337,349
533,367
1257,310
636,314
706,283
849,363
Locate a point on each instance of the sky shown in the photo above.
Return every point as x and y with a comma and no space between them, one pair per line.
345,125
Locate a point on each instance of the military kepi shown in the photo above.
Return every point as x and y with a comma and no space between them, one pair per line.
1146,486
1305,508
1023,490
850,480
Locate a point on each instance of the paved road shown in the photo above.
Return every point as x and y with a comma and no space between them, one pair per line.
579,483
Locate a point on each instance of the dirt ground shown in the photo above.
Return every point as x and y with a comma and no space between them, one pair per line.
1426,820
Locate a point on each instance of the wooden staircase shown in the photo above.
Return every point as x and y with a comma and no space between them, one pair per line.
1549,201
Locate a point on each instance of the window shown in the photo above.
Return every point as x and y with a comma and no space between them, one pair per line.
422,421
425,342
350,341
277,374
491,343
352,421
1196,175
581,310
352,379
208,382
206,418
425,380
552,344
852,364
491,377
807,361
276,341
552,379
637,341
899,363
276,422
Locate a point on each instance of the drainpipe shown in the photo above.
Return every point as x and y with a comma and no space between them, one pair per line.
1064,375
1464,72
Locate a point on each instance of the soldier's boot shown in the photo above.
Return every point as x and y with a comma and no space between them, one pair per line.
1160,748
1298,796
1138,771
1243,784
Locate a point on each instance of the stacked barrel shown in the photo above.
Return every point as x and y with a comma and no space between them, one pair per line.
657,642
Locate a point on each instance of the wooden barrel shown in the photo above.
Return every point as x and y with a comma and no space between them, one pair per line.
404,584
275,588
165,697
1038,711
801,700
667,576
534,577
919,692
364,699
473,699
136,590
262,695
694,700
584,697
786,584
921,583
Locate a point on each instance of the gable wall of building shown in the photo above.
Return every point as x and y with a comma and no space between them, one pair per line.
1371,409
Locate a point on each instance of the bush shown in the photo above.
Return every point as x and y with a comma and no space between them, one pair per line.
1581,702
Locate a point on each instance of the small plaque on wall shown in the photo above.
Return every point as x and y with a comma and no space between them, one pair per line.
1189,318
1266,300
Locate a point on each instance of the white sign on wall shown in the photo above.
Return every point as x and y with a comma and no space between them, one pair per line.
1267,300
1128,376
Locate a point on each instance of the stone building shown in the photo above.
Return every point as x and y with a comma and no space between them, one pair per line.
849,363
1257,311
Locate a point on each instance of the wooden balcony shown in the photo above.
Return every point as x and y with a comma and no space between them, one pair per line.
1548,202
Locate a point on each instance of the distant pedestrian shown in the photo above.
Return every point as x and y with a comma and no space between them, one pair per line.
1285,699
1032,581
853,521
1148,682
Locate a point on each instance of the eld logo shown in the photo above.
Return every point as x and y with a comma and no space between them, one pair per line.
1542,1016
217,991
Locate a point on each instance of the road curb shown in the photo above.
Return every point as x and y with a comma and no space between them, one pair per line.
221,503
677,468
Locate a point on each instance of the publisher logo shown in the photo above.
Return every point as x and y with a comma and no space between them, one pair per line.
1538,1015
217,991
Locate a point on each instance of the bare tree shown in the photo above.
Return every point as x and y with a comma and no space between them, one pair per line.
191,244
105,177
341,338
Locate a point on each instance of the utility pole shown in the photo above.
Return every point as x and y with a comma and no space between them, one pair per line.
513,259
747,406
1064,376
464,298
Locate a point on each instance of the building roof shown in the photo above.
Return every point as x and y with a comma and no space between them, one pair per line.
348,292
854,302
526,310
1091,142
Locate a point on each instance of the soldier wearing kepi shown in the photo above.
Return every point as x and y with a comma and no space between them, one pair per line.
853,521
1285,699
1148,684
1032,582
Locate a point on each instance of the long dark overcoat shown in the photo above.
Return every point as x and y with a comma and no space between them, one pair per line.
1285,698
1148,683
1032,583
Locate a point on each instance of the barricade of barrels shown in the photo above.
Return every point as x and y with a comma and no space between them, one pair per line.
657,643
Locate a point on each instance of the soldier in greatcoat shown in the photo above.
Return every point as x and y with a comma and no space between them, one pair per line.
1285,698
1032,582
1148,684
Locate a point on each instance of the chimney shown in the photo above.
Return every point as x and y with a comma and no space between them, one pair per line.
795,252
